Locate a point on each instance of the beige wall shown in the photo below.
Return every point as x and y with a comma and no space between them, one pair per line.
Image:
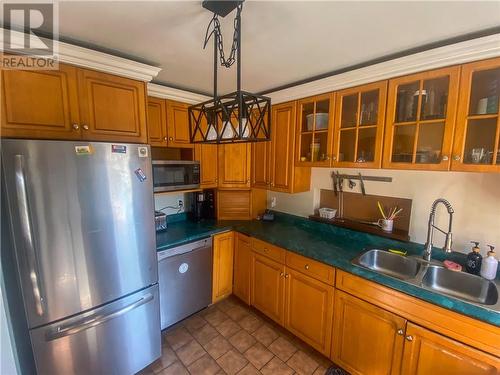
474,196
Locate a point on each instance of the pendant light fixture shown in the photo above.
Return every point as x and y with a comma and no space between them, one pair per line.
236,117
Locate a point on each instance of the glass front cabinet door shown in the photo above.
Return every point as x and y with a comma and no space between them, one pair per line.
315,130
421,111
359,126
477,135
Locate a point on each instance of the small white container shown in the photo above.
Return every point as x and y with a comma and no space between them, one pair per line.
489,265
386,225
327,213
321,121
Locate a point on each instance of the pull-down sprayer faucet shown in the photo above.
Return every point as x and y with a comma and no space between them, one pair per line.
431,227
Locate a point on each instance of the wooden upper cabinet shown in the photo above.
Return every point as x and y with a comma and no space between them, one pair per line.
477,135
157,122
222,284
309,309
421,111
242,267
178,124
206,154
315,131
366,338
359,126
426,352
40,104
285,175
112,108
268,287
261,165
234,165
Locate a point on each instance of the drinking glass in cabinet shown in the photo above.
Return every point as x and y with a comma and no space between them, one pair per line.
434,98
369,108
485,92
480,141
407,102
321,121
366,145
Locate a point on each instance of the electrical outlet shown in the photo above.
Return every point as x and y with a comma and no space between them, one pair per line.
273,202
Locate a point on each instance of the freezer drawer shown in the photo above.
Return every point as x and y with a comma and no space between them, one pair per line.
185,280
119,338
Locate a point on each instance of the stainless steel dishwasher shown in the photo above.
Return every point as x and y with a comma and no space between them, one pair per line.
185,280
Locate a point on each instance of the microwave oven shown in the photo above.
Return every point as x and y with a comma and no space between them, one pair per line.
170,175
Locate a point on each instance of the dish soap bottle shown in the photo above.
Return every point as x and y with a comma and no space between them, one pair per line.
474,260
490,265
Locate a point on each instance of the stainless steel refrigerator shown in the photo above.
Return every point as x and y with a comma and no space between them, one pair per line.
82,220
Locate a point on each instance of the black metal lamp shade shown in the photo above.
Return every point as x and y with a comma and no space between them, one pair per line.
220,120
237,117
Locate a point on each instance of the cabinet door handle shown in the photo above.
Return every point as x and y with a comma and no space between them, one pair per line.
401,332
170,138
445,158
165,138
306,266
287,275
85,127
334,158
409,338
282,274
456,157
76,126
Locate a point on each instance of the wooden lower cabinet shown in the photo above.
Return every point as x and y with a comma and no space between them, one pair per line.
268,287
366,338
309,309
242,266
432,353
222,276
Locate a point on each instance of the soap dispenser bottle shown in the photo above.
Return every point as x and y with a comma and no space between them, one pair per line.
490,265
474,259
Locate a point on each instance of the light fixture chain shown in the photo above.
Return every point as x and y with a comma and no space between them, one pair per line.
234,47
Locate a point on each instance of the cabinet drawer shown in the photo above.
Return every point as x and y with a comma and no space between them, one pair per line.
268,250
310,267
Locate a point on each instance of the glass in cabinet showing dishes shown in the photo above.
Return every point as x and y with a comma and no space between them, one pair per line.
477,136
315,129
359,126
421,111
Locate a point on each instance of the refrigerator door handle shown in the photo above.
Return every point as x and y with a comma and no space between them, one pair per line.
94,320
26,227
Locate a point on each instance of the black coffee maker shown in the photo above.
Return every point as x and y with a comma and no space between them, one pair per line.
203,207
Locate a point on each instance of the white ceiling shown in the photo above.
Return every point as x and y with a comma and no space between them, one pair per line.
283,41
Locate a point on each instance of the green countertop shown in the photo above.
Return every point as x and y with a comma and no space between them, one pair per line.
328,244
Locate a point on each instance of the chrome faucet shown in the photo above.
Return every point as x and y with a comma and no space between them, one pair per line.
431,227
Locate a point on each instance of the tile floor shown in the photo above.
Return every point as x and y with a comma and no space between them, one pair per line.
231,338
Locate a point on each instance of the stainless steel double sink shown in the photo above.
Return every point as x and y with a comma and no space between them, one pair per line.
432,276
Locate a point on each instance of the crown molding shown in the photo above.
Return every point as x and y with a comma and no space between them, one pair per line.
458,53
171,93
87,58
